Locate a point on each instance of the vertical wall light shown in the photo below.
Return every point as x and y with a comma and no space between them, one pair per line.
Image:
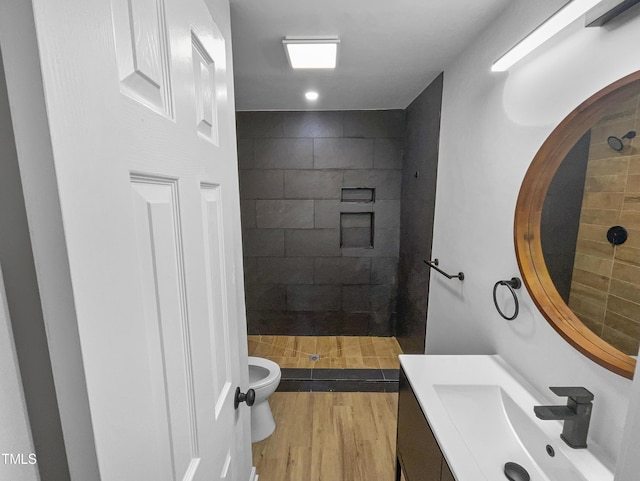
554,24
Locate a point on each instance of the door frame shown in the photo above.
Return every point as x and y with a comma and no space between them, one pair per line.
21,58
15,437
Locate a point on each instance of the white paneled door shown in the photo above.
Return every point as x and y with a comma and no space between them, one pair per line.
139,104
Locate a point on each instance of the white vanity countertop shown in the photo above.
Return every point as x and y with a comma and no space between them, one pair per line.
431,374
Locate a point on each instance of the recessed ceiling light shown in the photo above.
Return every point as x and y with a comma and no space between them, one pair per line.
559,20
312,52
311,95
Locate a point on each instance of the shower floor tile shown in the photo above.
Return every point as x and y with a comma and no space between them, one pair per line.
336,352
332,363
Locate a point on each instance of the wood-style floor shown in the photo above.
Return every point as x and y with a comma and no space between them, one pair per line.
329,437
341,352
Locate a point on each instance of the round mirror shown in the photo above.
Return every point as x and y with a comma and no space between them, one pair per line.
579,199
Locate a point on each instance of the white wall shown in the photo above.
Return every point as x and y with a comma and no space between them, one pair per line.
628,460
492,126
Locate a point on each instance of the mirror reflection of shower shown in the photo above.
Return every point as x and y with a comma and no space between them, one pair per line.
617,143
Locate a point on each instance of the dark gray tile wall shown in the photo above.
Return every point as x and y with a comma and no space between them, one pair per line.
288,214
418,204
293,166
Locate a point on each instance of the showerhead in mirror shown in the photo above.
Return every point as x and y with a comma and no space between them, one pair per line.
617,143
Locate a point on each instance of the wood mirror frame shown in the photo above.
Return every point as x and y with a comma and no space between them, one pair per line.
527,226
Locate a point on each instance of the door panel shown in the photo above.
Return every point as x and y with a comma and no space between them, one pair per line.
168,349
142,52
204,69
216,289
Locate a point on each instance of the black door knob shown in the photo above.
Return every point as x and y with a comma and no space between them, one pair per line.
240,397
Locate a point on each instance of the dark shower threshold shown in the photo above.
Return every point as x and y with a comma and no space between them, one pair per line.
338,380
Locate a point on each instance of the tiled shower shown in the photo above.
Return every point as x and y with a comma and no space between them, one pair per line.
321,211
320,196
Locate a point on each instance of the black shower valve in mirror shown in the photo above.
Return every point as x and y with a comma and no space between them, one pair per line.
617,235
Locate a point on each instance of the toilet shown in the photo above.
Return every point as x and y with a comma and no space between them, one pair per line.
264,377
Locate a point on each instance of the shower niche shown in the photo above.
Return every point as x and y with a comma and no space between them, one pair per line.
358,194
357,228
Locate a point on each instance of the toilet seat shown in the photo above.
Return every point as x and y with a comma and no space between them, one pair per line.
272,368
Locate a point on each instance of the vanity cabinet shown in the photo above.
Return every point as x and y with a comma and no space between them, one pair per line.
417,452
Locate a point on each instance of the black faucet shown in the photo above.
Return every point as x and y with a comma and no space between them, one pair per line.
576,414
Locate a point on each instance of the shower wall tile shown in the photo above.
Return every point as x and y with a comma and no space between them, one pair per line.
284,270
388,214
282,154
275,322
342,270
289,214
313,124
322,323
263,242
418,201
267,297
306,184
261,184
254,125
313,298
326,214
384,270
386,242
248,214
386,182
250,265
343,153
245,153
308,321
312,243
376,123
367,298
382,298
387,153
352,323
356,299
293,168
381,323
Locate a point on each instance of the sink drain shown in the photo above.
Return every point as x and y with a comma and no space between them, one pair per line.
314,357
515,472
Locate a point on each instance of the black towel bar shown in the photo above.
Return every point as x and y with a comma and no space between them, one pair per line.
434,265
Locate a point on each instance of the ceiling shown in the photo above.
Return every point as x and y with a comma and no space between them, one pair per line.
390,50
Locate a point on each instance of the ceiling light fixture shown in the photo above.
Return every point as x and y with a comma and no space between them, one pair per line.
312,52
311,95
559,20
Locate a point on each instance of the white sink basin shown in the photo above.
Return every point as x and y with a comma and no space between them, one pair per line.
482,416
477,410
